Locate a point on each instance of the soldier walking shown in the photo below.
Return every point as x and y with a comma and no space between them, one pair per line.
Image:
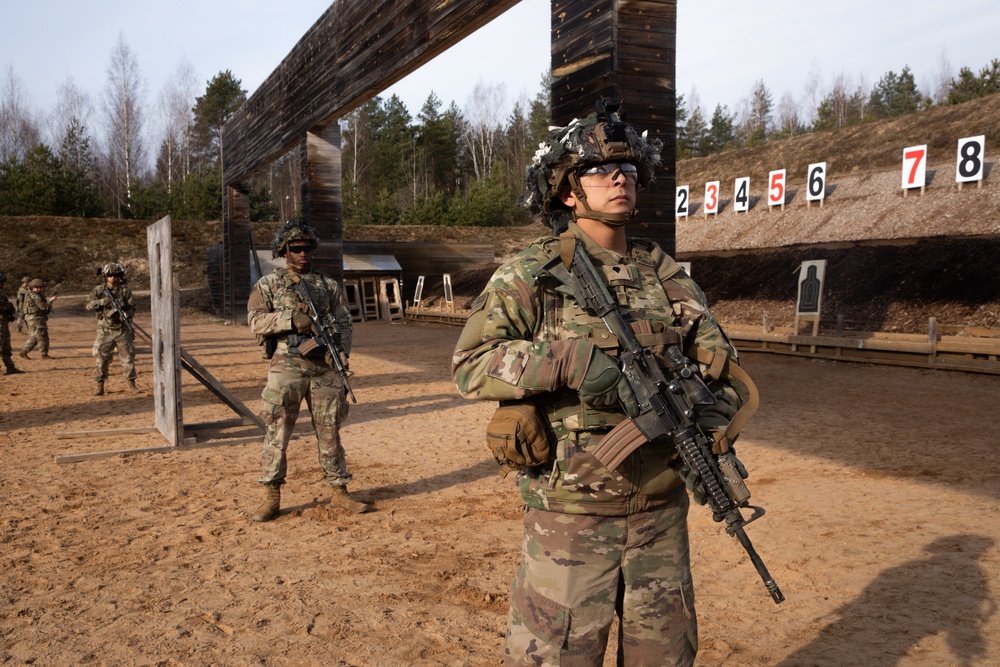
597,542
114,328
300,369
22,291
36,316
7,315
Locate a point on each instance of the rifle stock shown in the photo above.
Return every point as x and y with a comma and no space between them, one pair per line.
667,403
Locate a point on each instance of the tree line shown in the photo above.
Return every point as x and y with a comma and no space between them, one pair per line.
445,166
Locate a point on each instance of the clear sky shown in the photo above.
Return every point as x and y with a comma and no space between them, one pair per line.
723,46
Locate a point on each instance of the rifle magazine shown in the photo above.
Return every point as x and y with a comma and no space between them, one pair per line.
618,444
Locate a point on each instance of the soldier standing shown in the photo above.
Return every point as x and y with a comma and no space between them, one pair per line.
22,291
7,315
597,542
36,316
114,328
299,369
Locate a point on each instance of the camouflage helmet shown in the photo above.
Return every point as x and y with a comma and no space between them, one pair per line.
603,136
293,230
113,269
37,282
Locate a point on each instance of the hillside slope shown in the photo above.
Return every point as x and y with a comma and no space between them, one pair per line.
894,260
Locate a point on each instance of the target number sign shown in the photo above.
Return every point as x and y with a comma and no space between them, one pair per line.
682,201
741,195
776,188
816,184
914,167
970,163
711,197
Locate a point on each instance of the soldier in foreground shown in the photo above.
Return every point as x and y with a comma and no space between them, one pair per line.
36,309
302,366
22,291
597,541
7,315
114,306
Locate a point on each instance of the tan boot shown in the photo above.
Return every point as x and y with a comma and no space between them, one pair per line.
341,498
99,391
23,354
135,389
271,506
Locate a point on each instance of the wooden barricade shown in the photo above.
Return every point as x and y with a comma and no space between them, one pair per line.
352,294
369,298
389,299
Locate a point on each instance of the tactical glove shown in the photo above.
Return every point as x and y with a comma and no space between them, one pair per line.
604,386
301,320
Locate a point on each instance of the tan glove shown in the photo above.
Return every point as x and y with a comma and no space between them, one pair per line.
301,320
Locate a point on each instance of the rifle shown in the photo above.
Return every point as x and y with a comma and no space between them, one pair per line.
666,407
326,336
118,308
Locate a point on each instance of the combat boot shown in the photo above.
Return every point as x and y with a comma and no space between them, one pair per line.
100,388
45,355
269,509
135,389
23,354
11,370
341,498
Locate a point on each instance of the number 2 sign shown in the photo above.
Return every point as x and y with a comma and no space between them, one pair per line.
776,188
914,167
681,201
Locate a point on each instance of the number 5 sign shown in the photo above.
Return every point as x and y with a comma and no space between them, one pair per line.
970,163
776,188
914,167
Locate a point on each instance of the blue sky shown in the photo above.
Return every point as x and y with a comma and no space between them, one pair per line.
723,46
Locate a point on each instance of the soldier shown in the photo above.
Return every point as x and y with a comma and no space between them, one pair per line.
596,542
7,315
36,315
299,369
114,328
22,291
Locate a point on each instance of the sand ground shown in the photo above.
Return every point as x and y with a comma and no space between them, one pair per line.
881,488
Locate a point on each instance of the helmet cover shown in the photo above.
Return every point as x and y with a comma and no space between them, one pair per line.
293,230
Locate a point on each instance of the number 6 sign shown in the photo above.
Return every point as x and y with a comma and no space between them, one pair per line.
776,188
914,167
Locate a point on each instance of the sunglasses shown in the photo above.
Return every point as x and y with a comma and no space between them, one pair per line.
299,249
611,169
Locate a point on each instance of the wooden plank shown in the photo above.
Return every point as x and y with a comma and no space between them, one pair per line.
66,435
201,374
76,458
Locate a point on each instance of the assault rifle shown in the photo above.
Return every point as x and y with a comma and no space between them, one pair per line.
326,336
666,402
120,309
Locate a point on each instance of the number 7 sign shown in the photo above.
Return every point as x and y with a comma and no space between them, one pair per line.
914,167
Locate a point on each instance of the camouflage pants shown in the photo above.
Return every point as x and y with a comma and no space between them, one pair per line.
104,347
38,336
290,379
578,571
6,352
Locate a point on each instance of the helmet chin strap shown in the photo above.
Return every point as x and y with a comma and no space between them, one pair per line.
612,219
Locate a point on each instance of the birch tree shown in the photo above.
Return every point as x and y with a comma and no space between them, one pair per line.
19,132
125,150
484,115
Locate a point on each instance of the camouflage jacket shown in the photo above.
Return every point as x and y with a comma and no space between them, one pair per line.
36,306
22,292
7,311
107,316
506,352
274,299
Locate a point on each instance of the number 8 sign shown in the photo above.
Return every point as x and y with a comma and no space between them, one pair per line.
969,166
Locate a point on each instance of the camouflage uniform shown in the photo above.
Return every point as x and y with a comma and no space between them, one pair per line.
292,377
596,541
7,315
22,291
36,309
110,332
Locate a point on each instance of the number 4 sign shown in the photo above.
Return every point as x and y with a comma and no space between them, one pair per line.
969,166
914,168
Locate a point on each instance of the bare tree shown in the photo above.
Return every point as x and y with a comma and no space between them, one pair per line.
941,80
484,113
19,131
125,150
73,110
175,110
788,115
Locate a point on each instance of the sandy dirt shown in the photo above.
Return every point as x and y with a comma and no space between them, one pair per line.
880,484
